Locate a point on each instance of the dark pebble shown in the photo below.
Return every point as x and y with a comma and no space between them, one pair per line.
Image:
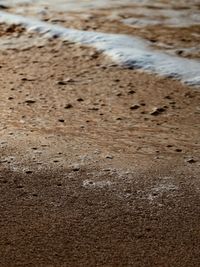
68,106
178,150
30,101
157,111
131,92
80,99
136,106
191,160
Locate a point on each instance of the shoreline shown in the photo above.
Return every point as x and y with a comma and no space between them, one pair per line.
99,164
131,52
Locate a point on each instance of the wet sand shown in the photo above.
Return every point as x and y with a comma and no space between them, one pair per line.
99,164
167,25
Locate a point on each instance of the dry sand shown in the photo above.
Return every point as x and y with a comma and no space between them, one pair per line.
99,164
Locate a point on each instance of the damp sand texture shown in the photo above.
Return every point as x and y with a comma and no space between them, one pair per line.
99,161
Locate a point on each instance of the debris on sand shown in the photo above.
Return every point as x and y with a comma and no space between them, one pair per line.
157,111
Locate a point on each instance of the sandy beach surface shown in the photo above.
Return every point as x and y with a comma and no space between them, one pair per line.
99,163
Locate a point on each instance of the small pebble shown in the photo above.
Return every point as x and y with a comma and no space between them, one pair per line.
29,101
80,99
157,111
178,150
131,92
68,106
134,107
191,160
109,157
65,81
76,168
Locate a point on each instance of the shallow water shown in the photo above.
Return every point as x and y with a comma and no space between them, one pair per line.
140,12
132,52
171,11
129,51
64,5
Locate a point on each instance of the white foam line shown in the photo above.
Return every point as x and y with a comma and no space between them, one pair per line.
129,51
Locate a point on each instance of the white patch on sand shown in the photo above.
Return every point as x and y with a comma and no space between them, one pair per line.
165,186
96,184
128,51
162,15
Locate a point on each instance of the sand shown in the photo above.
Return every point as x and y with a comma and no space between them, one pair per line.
99,163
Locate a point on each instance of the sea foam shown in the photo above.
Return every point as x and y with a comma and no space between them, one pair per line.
125,50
